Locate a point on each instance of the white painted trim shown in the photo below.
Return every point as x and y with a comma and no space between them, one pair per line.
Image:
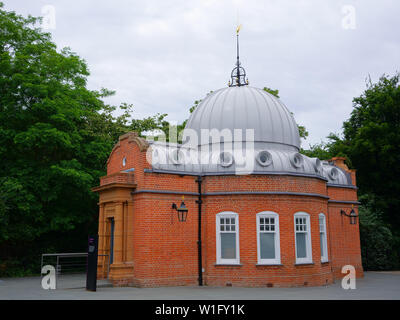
308,258
277,260
325,241
227,214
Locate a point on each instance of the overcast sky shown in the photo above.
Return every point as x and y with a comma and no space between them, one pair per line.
162,55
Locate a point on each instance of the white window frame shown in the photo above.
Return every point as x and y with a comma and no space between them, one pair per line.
227,214
324,258
308,258
277,259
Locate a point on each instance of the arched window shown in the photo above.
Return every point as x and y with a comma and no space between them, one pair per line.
302,237
227,224
268,244
322,237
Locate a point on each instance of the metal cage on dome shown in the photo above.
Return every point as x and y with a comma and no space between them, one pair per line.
238,76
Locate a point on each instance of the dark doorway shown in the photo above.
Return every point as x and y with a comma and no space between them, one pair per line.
111,240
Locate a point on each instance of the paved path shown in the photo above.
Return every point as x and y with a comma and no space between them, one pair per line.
375,285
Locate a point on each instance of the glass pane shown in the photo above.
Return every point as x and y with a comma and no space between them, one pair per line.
321,224
321,237
232,220
228,228
301,245
267,245
228,245
222,227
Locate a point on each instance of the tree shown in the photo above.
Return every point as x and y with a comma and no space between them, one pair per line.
376,237
334,147
55,138
372,142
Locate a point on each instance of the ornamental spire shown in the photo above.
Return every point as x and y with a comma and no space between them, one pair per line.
238,74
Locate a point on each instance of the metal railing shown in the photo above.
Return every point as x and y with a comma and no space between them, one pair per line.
69,263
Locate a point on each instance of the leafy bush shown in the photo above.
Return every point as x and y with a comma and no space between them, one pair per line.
377,241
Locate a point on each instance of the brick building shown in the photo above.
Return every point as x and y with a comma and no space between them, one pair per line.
259,212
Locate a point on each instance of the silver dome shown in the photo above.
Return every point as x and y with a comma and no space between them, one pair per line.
245,107
273,151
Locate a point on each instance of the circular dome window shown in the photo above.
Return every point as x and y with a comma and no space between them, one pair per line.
225,159
333,173
264,158
296,160
155,159
176,156
317,165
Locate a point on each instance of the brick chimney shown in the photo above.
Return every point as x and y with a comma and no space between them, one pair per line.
339,161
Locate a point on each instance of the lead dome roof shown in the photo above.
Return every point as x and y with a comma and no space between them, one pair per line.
246,107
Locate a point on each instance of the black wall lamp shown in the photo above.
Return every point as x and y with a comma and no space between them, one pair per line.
353,216
182,211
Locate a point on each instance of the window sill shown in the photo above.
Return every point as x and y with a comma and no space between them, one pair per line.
228,264
304,263
269,264
325,262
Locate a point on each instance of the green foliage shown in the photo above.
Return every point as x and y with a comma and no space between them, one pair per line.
150,124
376,237
272,91
372,140
302,131
371,144
55,138
333,147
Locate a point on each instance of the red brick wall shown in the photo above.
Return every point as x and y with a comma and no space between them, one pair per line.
249,274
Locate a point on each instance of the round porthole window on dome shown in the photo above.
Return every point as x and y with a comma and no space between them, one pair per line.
296,160
225,159
333,173
264,158
317,165
176,156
